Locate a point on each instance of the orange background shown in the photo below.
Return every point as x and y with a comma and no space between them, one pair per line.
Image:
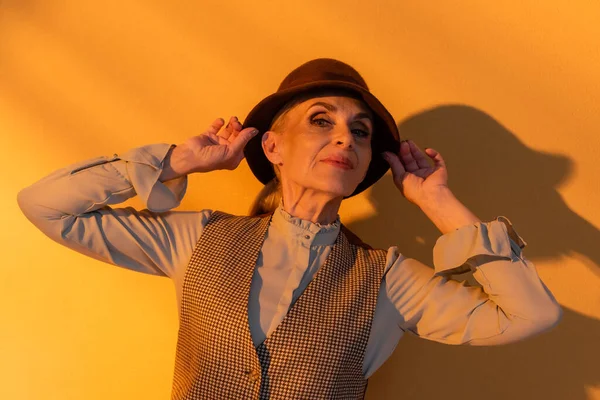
509,94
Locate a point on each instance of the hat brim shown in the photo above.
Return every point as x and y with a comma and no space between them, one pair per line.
385,132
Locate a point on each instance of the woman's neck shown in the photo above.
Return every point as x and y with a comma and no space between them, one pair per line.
318,210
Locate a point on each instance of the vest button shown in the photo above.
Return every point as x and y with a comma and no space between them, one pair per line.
253,375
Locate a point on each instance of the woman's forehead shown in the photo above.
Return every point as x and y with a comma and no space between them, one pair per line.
335,102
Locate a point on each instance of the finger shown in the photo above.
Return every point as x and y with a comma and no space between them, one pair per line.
237,127
242,139
213,137
395,164
407,156
226,133
438,160
418,155
215,126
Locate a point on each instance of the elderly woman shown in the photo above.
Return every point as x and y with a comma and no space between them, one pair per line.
286,302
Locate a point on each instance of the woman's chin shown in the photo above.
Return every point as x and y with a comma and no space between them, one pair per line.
339,190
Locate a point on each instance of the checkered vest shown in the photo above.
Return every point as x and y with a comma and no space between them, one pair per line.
317,350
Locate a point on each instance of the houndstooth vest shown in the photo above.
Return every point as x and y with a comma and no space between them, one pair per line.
317,350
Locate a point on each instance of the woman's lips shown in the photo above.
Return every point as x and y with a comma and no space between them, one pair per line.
337,164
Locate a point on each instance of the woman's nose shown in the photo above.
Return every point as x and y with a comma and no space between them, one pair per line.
343,135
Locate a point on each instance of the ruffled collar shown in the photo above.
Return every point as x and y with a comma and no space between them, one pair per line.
308,232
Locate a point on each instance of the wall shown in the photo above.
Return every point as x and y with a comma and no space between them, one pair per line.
508,93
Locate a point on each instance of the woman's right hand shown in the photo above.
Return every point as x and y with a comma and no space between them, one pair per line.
211,151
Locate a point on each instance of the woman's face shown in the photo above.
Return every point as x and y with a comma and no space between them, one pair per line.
319,128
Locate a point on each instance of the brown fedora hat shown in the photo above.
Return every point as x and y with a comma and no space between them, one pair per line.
314,76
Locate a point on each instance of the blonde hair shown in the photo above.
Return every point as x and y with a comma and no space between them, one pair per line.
270,195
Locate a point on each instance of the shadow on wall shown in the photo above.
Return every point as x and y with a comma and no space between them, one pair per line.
493,174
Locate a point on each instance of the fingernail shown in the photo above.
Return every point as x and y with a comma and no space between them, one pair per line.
254,131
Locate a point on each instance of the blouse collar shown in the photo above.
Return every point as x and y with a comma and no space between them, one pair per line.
305,231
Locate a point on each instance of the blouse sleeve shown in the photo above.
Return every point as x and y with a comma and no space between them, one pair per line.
512,304
72,207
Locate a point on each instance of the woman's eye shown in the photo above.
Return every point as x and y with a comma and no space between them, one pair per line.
317,121
362,133
323,122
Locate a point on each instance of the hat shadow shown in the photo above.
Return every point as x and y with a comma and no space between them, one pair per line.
493,173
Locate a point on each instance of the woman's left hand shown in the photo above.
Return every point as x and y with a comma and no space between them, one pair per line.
416,179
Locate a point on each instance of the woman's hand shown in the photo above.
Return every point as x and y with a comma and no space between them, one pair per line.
211,151
413,176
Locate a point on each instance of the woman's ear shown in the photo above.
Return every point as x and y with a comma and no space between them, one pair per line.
271,144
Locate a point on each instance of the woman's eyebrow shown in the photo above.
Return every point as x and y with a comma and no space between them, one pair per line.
328,106
333,108
363,115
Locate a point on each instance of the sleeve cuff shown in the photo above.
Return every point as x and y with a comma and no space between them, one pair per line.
144,167
472,245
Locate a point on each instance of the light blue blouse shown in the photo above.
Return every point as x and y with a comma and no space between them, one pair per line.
72,206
